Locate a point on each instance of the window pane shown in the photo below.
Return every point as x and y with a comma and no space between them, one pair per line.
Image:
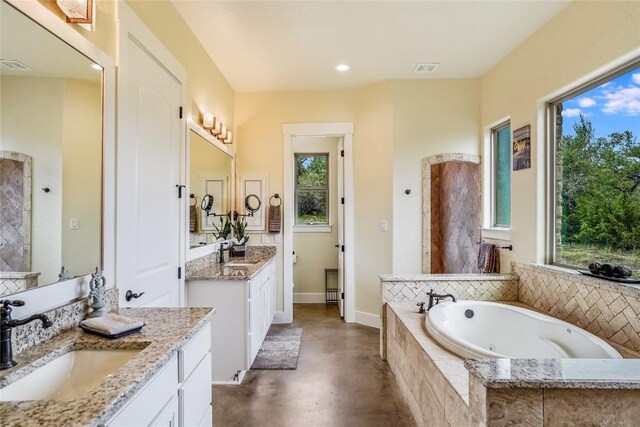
311,170
598,170
312,207
503,176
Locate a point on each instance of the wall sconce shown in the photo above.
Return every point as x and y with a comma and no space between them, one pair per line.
77,11
223,133
208,121
217,128
229,138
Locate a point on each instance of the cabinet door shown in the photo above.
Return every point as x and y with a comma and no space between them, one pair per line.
195,394
169,416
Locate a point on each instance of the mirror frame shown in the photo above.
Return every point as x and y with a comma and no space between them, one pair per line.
194,253
56,294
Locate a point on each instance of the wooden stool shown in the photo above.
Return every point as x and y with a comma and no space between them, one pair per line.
331,294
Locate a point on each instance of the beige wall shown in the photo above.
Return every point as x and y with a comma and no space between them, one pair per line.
429,117
259,144
582,39
82,176
209,90
317,251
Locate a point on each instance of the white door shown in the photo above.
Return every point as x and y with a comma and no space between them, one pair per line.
341,243
148,208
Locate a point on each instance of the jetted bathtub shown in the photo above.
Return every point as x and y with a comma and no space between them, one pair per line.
481,329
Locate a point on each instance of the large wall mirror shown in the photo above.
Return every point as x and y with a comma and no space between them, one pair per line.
210,188
51,163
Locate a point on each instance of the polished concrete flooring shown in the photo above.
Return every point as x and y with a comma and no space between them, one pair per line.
340,381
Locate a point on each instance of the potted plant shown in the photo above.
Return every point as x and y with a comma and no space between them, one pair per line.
240,237
224,230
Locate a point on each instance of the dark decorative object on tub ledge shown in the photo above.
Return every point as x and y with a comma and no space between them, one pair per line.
618,273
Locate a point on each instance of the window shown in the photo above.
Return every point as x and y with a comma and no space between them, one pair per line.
501,182
312,188
595,198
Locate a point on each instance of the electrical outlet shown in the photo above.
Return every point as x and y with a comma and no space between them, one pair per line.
383,225
73,223
265,238
276,238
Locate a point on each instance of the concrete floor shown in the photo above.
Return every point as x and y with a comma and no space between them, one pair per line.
340,381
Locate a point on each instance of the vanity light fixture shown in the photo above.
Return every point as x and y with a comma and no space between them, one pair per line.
208,121
217,128
223,133
229,138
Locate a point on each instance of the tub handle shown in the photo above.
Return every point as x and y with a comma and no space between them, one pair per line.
421,305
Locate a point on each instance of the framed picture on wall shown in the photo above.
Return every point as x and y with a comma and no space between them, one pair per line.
522,148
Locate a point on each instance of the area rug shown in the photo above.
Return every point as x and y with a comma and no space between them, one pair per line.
280,349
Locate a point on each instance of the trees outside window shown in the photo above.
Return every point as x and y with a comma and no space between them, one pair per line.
312,188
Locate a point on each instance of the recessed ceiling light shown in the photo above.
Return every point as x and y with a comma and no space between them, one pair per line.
96,67
342,68
426,67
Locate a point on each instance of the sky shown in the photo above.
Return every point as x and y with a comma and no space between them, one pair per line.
611,107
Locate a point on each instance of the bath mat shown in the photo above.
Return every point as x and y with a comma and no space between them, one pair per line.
280,349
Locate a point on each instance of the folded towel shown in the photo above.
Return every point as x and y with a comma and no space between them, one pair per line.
111,325
488,258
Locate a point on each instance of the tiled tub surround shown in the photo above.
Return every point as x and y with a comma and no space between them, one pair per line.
207,268
12,282
607,309
165,331
414,288
442,392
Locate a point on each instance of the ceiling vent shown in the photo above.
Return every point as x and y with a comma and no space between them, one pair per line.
426,67
14,65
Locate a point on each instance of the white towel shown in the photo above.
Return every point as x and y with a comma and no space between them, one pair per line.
111,324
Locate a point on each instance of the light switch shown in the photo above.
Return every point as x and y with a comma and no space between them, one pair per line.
265,238
73,223
383,225
276,238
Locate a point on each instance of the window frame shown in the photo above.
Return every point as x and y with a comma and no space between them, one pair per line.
552,151
494,167
297,189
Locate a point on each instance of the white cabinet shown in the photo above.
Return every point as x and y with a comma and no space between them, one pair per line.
244,313
178,395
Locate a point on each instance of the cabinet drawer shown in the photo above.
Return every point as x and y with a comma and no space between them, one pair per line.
169,415
149,401
195,393
191,354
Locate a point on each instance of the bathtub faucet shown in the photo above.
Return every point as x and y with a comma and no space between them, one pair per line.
434,298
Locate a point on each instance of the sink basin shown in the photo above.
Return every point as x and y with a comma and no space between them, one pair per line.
236,270
243,262
69,376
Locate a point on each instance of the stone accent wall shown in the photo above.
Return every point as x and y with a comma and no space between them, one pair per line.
606,309
414,288
455,217
426,198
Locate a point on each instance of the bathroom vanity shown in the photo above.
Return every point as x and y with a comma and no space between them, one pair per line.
164,379
243,292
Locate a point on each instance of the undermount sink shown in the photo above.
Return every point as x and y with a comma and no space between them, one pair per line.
236,270
67,377
242,263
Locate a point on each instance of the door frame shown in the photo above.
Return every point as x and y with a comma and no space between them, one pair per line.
129,25
337,129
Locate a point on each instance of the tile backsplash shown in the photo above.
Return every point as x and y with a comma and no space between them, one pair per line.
605,309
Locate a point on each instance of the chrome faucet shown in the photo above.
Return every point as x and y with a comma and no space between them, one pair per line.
7,324
434,298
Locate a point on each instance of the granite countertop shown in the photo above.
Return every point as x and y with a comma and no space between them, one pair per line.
235,269
557,373
165,331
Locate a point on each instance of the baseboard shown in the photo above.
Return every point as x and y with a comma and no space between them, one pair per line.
231,382
368,319
279,317
309,298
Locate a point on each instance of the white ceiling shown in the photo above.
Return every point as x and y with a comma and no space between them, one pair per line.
295,45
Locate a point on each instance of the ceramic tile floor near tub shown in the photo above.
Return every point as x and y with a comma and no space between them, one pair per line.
340,381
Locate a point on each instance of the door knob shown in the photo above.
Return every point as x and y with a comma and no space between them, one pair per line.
130,295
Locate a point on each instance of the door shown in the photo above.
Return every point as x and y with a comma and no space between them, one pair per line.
148,208
341,243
